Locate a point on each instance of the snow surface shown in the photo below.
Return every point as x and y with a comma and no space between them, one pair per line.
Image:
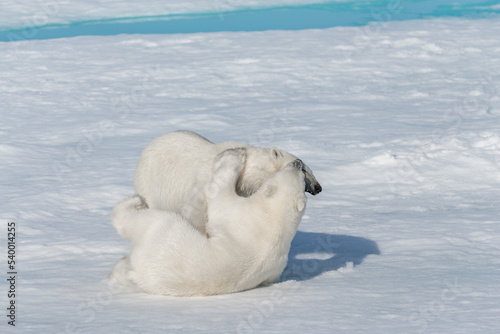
34,13
400,121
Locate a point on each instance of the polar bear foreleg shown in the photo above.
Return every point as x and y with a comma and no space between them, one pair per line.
227,168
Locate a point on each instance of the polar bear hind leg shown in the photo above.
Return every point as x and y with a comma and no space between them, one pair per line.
125,220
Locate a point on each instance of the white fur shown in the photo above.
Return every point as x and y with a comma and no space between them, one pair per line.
249,239
174,169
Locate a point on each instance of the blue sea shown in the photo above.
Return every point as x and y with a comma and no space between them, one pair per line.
325,15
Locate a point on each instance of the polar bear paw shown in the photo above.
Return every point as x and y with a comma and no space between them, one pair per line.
297,164
227,168
142,204
135,202
231,159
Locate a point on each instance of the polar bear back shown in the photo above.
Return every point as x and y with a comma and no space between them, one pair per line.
171,167
176,259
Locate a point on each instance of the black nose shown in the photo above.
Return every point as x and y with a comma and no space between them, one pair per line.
313,189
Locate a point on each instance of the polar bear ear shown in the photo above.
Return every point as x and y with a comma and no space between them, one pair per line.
300,204
276,153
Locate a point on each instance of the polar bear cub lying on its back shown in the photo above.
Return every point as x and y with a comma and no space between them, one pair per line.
249,239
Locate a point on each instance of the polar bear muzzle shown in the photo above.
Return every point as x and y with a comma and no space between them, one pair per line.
312,185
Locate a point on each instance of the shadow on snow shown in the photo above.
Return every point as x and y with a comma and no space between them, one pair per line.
312,254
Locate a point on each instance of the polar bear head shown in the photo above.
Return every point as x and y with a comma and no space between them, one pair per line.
262,163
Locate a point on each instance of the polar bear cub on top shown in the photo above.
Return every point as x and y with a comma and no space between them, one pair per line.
249,239
174,169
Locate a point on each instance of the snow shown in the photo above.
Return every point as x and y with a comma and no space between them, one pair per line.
400,122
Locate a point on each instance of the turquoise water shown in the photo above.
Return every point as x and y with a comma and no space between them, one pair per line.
331,14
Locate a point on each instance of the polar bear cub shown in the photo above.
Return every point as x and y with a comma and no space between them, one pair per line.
249,239
174,169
